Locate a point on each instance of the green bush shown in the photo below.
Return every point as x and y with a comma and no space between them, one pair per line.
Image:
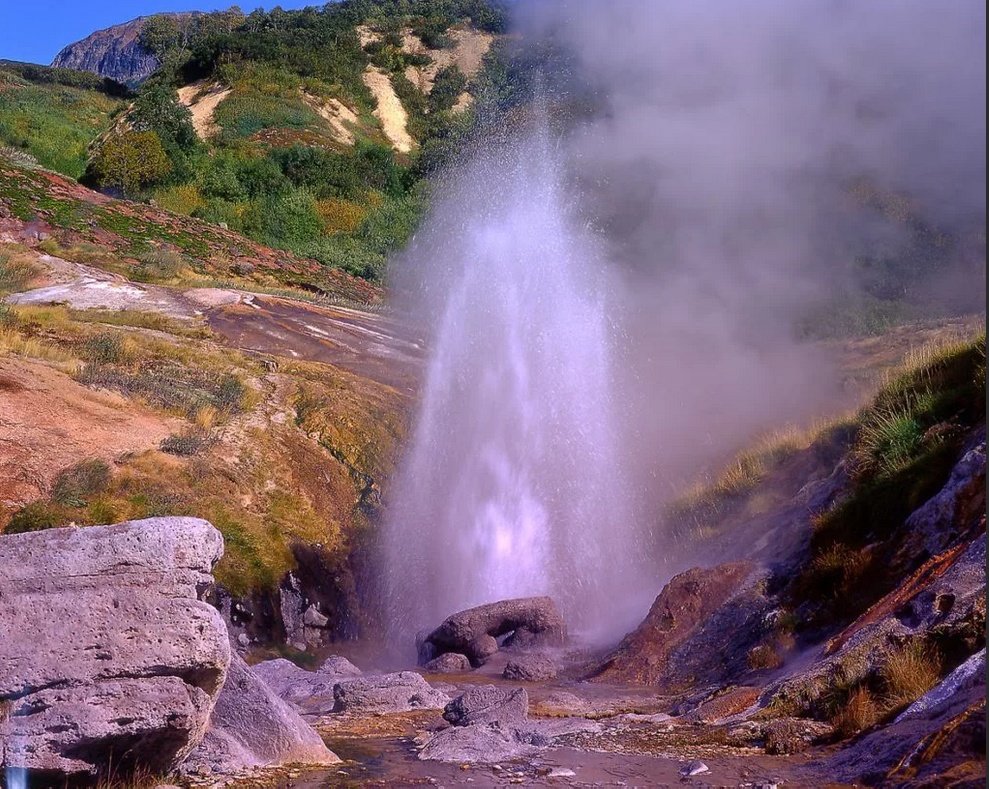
130,161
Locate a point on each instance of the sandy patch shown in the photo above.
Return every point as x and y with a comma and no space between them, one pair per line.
48,422
469,49
337,114
202,99
390,111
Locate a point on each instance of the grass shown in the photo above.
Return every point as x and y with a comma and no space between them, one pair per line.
16,273
909,674
699,509
53,123
906,443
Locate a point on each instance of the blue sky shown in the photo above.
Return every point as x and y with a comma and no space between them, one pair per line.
35,30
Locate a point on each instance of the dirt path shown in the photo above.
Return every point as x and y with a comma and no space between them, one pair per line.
390,111
202,99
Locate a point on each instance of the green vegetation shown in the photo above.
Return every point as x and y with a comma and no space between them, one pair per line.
905,445
52,121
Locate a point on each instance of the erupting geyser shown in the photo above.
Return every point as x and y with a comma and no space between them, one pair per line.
513,484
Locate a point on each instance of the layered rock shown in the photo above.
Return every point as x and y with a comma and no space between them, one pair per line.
251,727
526,621
702,621
106,650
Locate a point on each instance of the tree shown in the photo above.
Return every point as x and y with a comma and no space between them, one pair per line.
159,34
131,160
157,110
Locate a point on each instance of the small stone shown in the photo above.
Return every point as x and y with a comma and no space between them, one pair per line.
695,767
243,639
313,618
561,772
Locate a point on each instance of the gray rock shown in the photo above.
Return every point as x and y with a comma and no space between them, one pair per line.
339,667
479,745
448,663
968,674
137,676
785,736
488,704
695,767
251,727
530,668
527,621
313,618
939,522
400,692
308,689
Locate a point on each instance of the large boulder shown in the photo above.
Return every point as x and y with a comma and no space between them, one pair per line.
403,691
106,650
525,621
488,704
251,727
697,631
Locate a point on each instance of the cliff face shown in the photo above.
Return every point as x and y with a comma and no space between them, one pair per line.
115,52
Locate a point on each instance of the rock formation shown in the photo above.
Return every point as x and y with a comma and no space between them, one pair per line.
106,650
527,621
114,52
251,727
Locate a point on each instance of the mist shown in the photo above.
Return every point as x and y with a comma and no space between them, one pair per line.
737,164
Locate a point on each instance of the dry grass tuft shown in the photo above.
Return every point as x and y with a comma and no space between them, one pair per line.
859,712
909,674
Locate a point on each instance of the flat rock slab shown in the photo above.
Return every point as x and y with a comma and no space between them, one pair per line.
401,692
138,674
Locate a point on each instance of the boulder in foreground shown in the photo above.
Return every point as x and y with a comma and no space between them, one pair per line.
106,649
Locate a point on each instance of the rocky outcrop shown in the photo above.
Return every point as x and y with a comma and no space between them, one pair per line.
114,52
310,690
488,704
251,727
526,621
699,626
448,663
106,650
401,692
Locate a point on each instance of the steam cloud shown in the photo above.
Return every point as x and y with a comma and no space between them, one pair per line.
720,169
717,169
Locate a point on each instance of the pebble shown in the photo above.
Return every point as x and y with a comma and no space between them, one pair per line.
695,767
561,772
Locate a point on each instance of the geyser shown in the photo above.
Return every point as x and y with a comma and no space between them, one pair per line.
513,484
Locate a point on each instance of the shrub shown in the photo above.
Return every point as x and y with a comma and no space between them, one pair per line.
76,484
340,215
15,274
104,349
857,714
155,265
450,82
183,199
130,161
187,444
36,516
